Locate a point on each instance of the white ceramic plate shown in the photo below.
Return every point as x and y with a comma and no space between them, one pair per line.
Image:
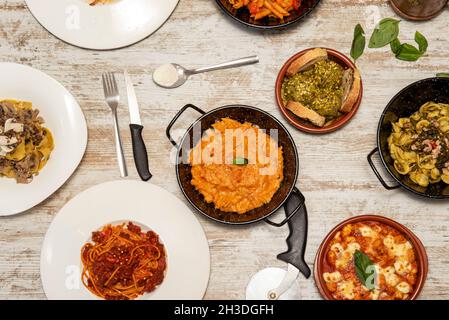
102,27
188,260
62,115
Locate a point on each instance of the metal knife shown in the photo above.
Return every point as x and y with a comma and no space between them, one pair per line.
139,149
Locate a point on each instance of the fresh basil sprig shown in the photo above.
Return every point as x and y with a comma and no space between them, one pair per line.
395,46
408,52
421,41
359,42
365,270
387,31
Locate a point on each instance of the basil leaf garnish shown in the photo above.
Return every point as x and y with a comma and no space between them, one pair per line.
359,42
421,41
240,161
386,32
365,270
395,46
408,53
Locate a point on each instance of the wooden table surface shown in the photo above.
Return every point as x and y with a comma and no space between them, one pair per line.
334,174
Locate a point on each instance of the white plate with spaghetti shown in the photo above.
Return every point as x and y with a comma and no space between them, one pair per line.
102,26
182,246
39,155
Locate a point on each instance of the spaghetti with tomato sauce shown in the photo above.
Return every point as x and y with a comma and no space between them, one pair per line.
122,262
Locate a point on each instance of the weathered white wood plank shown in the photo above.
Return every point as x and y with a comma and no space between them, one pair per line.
334,175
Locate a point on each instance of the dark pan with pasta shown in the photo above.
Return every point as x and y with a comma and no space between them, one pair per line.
273,14
413,161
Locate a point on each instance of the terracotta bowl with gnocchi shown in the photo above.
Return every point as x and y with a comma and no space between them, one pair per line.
370,258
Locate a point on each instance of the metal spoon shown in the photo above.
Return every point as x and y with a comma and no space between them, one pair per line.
173,75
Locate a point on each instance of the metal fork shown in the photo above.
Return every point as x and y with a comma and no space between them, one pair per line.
112,97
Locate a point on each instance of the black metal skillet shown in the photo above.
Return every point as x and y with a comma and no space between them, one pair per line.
288,196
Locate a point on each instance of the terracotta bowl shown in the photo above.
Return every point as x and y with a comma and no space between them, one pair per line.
421,255
304,125
427,10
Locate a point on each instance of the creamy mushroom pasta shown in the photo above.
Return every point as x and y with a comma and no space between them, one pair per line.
419,145
25,145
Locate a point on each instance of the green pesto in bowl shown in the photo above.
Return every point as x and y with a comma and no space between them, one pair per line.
318,88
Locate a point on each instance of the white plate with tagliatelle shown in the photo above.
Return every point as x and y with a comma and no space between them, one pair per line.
43,137
101,24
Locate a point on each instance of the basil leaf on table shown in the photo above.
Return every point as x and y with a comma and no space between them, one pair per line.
365,270
395,46
240,161
385,33
421,41
359,42
443,75
408,53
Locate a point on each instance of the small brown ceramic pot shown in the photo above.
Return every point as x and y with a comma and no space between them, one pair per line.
420,251
304,125
424,10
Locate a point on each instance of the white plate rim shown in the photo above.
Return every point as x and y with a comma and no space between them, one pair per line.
84,137
60,215
116,46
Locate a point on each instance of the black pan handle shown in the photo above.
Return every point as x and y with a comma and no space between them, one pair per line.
171,124
300,200
297,238
376,172
140,152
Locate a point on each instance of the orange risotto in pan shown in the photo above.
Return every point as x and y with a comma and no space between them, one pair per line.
237,166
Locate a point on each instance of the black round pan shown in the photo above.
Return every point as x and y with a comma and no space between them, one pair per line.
242,114
288,196
243,16
404,104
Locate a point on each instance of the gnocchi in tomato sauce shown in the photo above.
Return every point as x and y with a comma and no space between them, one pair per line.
391,253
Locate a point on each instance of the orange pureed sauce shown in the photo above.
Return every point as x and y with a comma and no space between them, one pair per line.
235,187
393,256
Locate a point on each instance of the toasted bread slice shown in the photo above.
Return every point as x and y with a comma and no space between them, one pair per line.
351,89
306,113
306,61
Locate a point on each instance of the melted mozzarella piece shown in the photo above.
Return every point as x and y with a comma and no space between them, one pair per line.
375,294
403,287
353,247
390,276
367,232
402,267
347,289
400,250
332,277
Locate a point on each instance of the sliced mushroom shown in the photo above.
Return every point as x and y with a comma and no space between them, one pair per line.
6,141
10,124
4,150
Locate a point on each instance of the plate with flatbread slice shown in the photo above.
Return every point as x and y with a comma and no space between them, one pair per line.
319,90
